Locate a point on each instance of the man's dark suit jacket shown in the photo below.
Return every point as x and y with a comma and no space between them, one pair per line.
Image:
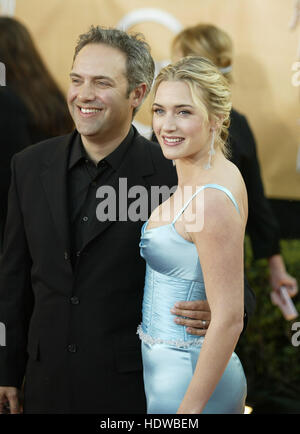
78,327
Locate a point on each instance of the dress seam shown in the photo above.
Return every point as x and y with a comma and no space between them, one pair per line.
179,343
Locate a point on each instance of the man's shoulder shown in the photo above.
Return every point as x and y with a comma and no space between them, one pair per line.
160,170
142,140
154,149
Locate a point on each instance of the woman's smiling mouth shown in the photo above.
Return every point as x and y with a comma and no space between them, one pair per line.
172,141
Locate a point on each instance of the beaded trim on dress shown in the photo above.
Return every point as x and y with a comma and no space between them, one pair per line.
180,343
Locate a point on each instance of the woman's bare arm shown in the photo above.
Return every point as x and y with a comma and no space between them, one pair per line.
220,246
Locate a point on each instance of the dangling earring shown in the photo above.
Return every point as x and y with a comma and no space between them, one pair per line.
174,162
211,151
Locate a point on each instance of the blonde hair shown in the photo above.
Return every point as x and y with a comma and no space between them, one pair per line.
209,89
207,41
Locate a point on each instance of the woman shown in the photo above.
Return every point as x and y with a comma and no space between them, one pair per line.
215,44
183,373
33,108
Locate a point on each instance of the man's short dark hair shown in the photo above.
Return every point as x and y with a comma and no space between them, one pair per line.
139,63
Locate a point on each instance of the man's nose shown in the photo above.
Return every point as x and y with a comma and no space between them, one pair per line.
86,93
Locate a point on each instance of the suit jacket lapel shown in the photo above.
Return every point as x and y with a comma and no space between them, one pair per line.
54,181
136,165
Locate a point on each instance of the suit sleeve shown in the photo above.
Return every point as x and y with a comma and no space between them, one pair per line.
262,225
16,297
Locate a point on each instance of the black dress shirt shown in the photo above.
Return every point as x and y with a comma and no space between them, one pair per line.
84,178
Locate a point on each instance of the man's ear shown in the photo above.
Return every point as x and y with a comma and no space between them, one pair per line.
138,94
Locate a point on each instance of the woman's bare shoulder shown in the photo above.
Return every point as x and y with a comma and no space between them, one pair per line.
228,175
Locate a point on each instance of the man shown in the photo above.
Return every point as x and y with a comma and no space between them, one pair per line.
70,285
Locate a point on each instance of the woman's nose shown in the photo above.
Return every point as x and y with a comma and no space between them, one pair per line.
169,124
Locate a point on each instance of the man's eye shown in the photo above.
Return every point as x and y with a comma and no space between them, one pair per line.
102,83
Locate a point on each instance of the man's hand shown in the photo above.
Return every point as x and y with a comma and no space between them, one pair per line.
195,315
10,400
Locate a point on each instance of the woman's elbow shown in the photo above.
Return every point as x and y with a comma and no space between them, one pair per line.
233,323
236,323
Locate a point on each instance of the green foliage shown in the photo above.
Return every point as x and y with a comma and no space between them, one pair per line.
271,362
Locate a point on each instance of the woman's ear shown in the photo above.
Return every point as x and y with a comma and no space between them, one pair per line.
217,122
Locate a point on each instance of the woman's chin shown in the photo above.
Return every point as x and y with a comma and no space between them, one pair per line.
169,155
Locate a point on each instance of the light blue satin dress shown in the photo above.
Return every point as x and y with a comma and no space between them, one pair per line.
170,354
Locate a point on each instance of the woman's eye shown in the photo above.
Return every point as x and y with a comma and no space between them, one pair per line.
158,111
184,112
